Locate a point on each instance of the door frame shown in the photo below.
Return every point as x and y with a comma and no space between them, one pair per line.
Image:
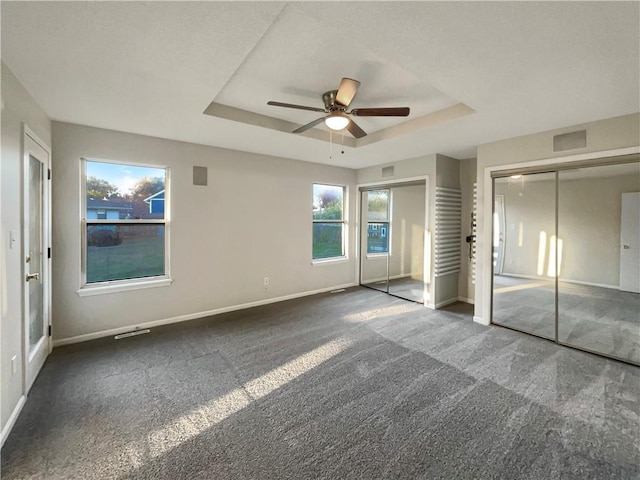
631,196
30,143
428,274
502,223
621,157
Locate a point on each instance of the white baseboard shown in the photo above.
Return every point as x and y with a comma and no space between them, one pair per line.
480,320
466,300
6,430
191,316
566,280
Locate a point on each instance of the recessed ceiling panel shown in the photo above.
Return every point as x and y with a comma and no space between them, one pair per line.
299,59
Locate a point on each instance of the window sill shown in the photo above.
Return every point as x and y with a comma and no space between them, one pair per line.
329,261
373,256
104,288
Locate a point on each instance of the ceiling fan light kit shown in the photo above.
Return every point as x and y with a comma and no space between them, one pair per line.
336,121
336,103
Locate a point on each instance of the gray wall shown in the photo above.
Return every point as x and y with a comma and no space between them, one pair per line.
602,136
252,221
466,286
17,107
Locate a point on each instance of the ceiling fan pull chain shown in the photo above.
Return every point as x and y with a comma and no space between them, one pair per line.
330,144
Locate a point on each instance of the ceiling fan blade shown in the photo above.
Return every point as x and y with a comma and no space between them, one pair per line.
381,112
299,107
309,125
346,91
355,130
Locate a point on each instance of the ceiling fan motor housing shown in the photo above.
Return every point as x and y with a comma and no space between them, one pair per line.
329,99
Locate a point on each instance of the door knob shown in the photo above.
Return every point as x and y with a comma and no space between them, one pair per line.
626,247
33,276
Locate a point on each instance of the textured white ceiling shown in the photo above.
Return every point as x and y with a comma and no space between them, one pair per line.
152,68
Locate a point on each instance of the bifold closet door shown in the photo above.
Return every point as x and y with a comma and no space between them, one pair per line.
524,256
374,239
598,260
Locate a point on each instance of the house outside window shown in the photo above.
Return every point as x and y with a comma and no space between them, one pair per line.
328,221
378,222
124,226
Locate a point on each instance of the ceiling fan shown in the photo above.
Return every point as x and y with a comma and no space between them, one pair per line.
336,103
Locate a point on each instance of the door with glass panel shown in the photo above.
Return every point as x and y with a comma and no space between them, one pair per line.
375,232
36,258
571,247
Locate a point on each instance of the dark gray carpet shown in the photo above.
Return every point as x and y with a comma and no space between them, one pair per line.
351,385
602,320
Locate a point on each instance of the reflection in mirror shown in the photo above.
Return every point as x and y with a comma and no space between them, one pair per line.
406,260
599,260
524,253
374,238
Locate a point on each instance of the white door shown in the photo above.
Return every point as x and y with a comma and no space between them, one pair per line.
36,256
630,243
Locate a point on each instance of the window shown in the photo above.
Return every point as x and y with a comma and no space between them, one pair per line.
378,221
124,224
328,221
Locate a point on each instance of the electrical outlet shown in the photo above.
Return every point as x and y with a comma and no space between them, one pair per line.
14,365
266,281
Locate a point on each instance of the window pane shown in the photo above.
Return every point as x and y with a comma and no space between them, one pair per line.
378,206
327,240
327,202
119,192
120,251
378,237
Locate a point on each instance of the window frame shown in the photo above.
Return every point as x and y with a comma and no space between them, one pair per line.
387,222
343,221
111,286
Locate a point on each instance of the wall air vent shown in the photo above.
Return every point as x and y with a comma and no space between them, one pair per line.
570,141
387,172
200,176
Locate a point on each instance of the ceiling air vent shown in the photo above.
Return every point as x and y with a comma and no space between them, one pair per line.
570,141
387,171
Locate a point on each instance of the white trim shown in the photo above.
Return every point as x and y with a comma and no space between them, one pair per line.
12,419
617,152
392,181
122,162
329,261
166,221
466,300
32,145
101,289
193,316
377,256
484,244
480,320
426,254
